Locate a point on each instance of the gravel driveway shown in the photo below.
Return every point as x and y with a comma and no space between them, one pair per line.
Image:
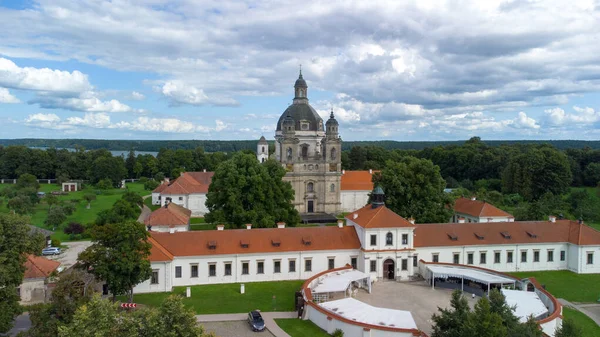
233,329
68,257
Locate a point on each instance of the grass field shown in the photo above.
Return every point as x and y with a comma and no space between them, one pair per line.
590,328
568,285
197,221
300,328
148,202
82,215
226,298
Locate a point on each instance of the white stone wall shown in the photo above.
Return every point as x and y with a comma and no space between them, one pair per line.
195,202
353,200
29,287
164,279
165,229
155,199
583,258
471,218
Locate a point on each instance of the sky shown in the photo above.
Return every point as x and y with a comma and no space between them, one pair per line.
398,70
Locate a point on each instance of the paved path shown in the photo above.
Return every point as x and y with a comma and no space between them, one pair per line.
145,210
269,318
591,310
22,323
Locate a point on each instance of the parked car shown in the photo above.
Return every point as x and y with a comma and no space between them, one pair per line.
256,321
51,251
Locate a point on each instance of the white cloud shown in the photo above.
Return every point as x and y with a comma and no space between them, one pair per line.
524,122
87,102
6,97
44,79
180,93
168,125
558,117
92,120
46,121
136,96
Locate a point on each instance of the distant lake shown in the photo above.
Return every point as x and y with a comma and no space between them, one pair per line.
114,153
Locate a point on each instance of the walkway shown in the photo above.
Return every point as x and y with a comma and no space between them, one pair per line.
591,310
145,211
269,318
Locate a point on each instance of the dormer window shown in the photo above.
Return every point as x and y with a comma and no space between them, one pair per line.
212,245
244,243
304,126
307,240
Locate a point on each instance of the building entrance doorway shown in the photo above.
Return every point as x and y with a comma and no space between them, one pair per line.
388,269
310,207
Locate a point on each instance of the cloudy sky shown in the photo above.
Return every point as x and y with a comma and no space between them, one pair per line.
401,70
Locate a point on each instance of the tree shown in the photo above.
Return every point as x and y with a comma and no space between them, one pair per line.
244,191
568,329
449,323
20,205
15,243
151,184
130,163
118,256
28,180
105,184
591,174
415,188
108,167
482,322
133,198
56,216
51,200
89,197
74,228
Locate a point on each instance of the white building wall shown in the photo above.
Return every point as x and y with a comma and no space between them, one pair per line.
587,268
31,288
165,229
164,279
155,198
471,218
179,199
573,258
353,200
197,204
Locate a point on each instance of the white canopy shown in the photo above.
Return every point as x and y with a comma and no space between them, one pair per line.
527,303
339,281
468,274
361,312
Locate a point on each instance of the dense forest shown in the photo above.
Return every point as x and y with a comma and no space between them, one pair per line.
237,145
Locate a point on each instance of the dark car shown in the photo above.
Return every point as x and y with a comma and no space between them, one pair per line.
256,321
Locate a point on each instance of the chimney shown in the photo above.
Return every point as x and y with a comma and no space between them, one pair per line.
411,220
354,216
204,170
552,218
340,223
580,221
220,227
511,219
172,230
370,171
248,226
281,225
343,171
473,198
461,220
167,180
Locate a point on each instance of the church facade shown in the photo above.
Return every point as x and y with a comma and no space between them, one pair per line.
310,152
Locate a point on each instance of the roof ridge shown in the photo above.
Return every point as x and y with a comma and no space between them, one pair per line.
176,213
161,247
29,257
374,215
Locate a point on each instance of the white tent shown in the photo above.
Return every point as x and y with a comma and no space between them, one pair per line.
361,312
466,273
526,303
340,281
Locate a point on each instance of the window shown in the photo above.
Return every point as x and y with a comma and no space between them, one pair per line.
550,256
180,198
245,268
373,265
292,266
590,258
469,258
415,261
310,187
509,257
389,238
456,258
304,147
536,256
482,257
436,257
524,256
307,265
263,149
212,269
404,264
154,278
333,154
353,262
331,263
289,153
496,257
404,239
260,267
277,267
178,272
563,255
332,188
373,240
194,270
227,269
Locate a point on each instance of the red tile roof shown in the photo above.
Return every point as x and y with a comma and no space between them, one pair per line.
380,217
170,215
496,233
161,187
260,240
357,181
478,208
39,267
190,182
158,253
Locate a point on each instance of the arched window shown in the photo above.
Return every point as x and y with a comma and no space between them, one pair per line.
304,151
263,160
263,149
310,188
389,238
289,153
333,154
332,188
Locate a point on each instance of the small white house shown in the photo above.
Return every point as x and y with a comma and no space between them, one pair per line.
189,191
38,271
355,189
170,217
473,210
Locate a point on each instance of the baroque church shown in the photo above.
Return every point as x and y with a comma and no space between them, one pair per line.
310,152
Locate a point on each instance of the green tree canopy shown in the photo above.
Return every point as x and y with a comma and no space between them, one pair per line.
56,216
568,329
20,205
119,255
244,191
414,187
28,180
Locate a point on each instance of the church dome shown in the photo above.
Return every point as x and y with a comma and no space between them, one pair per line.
302,112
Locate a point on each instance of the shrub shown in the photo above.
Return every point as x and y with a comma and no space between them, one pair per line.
105,184
150,185
74,228
55,243
338,333
143,180
69,208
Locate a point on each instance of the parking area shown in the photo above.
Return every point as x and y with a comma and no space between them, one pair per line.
233,329
416,297
68,257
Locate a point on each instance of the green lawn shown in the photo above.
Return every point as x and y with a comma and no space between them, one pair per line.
148,202
590,328
197,220
300,328
226,298
568,285
82,215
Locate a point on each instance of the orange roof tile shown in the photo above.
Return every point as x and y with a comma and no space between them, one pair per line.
477,208
357,181
161,187
169,215
190,182
39,267
495,233
158,253
380,217
260,240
